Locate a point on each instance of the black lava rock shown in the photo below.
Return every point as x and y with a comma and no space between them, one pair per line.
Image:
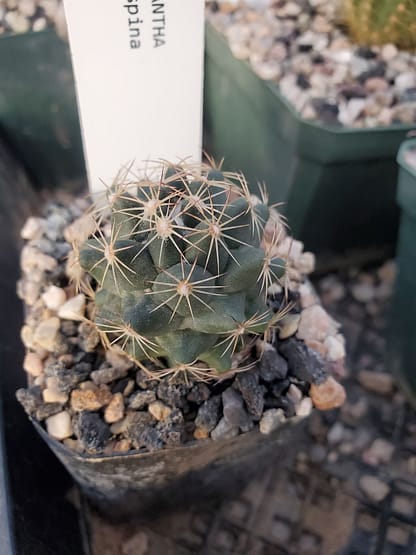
172,429
173,394
47,409
279,300
252,392
302,81
409,95
272,366
68,378
283,403
234,412
379,70
365,52
199,393
30,399
304,363
139,423
69,328
92,432
209,414
140,399
326,111
353,91
280,387
151,438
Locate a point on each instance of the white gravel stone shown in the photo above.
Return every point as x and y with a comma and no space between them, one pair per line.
379,382
80,229
315,324
306,263
374,488
27,7
363,292
73,309
388,52
336,433
54,297
32,229
405,81
31,259
54,396
33,364
380,451
288,325
59,425
349,111
39,24
336,349
46,333
387,272
271,420
304,408
159,410
115,409
18,22
118,360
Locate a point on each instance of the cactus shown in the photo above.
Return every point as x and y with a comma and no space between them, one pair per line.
180,274
374,22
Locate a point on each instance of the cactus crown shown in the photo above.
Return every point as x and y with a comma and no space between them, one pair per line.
181,268
373,22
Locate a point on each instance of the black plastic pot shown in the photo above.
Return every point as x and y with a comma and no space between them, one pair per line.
36,515
38,108
403,322
338,184
145,484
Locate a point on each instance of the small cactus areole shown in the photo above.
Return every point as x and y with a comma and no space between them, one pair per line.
179,270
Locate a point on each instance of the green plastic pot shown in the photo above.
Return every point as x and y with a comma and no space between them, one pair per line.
38,108
403,322
338,184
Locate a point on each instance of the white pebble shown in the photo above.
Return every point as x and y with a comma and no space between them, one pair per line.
388,52
73,309
18,22
32,229
405,81
39,24
374,488
46,333
54,297
32,364
363,292
27,7
32,258
59,425
336,349
80,229
314,324
304,408
271,420
54,396
288,325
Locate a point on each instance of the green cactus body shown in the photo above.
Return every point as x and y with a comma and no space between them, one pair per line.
180,273
376,22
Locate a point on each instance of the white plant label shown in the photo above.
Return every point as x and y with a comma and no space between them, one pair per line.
138,68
